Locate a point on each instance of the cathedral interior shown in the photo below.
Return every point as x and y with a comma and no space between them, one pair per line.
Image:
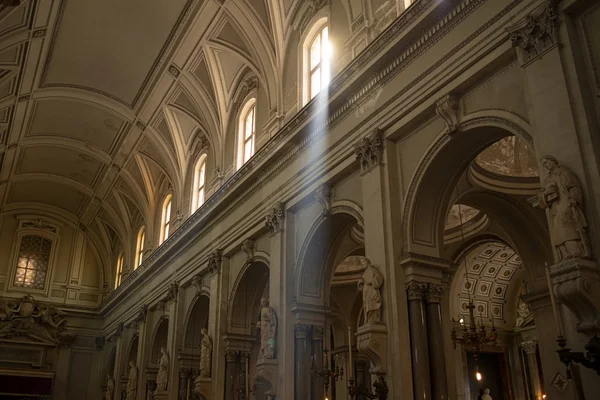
299,199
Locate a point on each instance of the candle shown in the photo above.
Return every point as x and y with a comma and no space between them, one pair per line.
553,300
350,365
247,379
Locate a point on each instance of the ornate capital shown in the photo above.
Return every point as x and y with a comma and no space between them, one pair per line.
231,355
274,218
120,328
538,33
215,261
246,87
323,196
529,346
369,151
248,248
301,331
434,293
416,290
172,291
317,332
447,109
142,313
197,283
200,143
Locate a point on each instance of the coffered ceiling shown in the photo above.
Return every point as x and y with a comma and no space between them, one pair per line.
100,101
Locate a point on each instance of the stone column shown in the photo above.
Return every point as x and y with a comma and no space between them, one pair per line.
174,336
230,372
302,370
317,332
530,348
437,362
418,341
218,269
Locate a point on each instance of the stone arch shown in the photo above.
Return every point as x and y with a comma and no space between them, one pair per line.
133,350
197,318
159,339
439,171
316,260
251,285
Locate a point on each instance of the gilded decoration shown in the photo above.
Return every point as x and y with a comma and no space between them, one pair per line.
27,317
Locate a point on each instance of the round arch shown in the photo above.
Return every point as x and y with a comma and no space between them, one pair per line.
251,285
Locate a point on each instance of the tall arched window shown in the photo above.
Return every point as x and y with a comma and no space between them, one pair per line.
317,53
247,129
165,225
139,248
119,273
199,183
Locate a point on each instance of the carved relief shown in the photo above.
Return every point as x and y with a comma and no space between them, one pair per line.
301,331
562,196
530,346
29,318
247,87
370,283
538,33
323,196
369,151
142,313
523,313
248,248
434,293
215,260
447,109
172,291
416,290
274,218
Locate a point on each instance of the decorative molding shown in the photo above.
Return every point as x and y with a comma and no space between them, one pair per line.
434,293
306,12
248,248
215,261
142,314
39,224
245,88
416,290
172,291
559,382
275,218
530,346
39,33
302,331
231,355
323,196
140,125
173,70
24,97
317,332
369,151
447,109
119,330
537,34
197,283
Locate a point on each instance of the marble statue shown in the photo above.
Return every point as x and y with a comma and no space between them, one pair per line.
205,354
370,283
561,194
486,395
522,313
162,378
27,317
268,330
110,388
132,381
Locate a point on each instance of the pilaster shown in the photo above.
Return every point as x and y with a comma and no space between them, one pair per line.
218,268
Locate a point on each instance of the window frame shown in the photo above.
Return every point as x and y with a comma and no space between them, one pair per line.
166,219
119,271
315,30
242,140
48,230
197,186
139,247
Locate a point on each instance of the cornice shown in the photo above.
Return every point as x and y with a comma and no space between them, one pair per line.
288,144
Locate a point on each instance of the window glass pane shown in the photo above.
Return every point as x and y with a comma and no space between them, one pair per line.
142,238
202,173
201,197
168,212
167,231
33,261
247,150
315,83
249,130
315,52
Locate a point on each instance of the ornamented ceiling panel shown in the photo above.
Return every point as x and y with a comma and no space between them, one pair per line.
69,119
110,46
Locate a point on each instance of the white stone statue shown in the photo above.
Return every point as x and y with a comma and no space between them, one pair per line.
205,354
486,395
162,377
561,194
522,313
132,381
369,283
268,330
110,388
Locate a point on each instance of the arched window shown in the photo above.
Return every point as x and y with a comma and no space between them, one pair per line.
119,273
246,132
139,248
33,262
199,183
317,53
166,219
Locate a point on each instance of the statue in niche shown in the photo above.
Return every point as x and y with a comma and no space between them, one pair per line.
132,381
110,388
205,354
561,194
162,378
522,313
267,324
370,283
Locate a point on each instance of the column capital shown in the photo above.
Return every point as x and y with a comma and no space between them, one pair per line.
537,33
323,196
142,313
447,109
231,355
416,290
369,151
172,291
434,293
215,261
274,218
529,346
317,332
301,331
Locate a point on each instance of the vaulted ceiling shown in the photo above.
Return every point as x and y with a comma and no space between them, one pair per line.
101,102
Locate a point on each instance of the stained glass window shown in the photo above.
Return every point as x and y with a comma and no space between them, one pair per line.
33,261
